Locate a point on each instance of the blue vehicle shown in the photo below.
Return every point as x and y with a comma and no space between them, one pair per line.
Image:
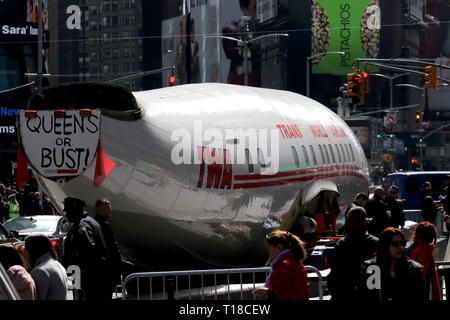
411,183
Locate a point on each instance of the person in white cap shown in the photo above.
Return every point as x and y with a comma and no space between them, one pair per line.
14,210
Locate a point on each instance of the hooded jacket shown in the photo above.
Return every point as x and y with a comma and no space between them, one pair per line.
288,280
23,282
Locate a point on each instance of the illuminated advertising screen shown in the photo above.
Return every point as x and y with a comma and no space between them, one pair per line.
349,26
32,12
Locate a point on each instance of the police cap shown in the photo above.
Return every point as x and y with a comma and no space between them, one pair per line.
73,203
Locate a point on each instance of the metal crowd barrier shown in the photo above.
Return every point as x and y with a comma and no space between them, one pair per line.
443,269
171,286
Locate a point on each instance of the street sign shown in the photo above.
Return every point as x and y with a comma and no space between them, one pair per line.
392,118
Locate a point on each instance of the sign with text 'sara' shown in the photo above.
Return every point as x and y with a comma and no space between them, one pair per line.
59,143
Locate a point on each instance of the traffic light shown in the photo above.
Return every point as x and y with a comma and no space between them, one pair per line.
172,81
366,82
414,161
430,77
418,116
355,87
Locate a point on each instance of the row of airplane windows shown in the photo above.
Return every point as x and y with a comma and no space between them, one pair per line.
344,154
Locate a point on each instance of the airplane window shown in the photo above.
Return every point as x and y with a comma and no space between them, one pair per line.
321,154
326,153
261,161
313,155
347,153
351,151
338,153
294,153
248,160
306,157
343,153
332,153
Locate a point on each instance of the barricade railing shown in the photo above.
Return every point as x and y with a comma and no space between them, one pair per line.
201,284
443,269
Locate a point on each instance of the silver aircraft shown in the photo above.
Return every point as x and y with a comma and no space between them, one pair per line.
203,172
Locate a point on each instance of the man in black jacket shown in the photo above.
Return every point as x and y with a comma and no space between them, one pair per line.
85,246
395,206
102,213
429,207
350,252
376,211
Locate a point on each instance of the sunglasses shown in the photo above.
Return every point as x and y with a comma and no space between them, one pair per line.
398,243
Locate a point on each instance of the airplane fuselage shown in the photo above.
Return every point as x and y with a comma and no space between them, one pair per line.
209,169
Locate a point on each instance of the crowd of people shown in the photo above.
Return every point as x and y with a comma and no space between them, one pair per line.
39,274
26,201
372,241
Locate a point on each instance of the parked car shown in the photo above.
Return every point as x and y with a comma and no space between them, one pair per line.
55,227
6,236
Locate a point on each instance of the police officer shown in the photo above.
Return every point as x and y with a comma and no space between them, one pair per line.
102,213
85,246
14,210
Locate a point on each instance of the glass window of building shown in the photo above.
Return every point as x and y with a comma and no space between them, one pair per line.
125,52
115,53
107,53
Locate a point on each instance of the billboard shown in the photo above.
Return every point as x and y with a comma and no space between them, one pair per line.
32,12
349,26
204,46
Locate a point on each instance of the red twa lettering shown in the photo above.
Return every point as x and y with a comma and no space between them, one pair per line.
289,131
318,131
215,161
338,131
217,169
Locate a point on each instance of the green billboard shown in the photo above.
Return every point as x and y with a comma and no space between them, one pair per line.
349,26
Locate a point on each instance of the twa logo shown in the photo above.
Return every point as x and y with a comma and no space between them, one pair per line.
217,150
219,168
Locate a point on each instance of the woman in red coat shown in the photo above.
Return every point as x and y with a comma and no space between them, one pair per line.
288,278
424,242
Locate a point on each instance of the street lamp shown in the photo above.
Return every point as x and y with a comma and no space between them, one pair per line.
308,59
391,87
422,100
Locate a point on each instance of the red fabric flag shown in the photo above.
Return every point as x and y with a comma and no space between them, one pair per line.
22,175
103,166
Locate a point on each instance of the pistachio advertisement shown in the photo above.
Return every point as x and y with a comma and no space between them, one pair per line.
350,26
